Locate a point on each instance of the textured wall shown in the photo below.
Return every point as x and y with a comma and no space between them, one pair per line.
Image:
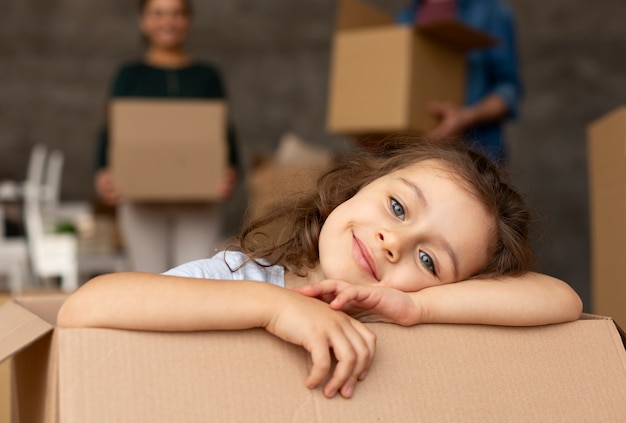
57,58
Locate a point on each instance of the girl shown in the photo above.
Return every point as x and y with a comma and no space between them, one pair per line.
160,236
389,236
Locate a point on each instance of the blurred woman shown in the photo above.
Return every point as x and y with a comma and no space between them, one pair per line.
160,236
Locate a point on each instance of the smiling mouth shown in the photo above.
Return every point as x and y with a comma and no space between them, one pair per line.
362,258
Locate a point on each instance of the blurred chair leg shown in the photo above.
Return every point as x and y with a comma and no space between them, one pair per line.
69,279
15,278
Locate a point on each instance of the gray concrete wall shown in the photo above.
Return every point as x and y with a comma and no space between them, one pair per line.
57,58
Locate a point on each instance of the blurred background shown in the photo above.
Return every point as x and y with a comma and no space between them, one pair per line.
57,59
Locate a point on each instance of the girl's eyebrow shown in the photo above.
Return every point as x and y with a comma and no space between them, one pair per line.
417,191
421,199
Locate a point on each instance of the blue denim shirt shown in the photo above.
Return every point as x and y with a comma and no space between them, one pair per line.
493,70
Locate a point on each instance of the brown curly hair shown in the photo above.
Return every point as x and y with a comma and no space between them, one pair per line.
300,221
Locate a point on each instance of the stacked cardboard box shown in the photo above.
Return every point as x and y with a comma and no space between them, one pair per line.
572,372
606,144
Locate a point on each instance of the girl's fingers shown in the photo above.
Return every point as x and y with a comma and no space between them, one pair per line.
354,351
344,297
346,362
309,290
320,357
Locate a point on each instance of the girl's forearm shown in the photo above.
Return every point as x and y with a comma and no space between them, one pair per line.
143,301
528,300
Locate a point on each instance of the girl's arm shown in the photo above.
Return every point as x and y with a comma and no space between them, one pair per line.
528,300
143,301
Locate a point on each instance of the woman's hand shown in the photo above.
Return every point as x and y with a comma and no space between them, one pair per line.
368,303
228,183
105,188
316,327
453,120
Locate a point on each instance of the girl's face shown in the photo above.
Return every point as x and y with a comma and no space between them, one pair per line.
411,229
165,23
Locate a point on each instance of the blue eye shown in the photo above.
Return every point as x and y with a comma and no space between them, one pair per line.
428,262
397,209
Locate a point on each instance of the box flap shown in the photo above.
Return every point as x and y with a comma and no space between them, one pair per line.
19,327
45,306
352,14
588,316
457,34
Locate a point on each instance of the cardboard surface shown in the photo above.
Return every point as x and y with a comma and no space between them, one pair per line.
5,380
270,186
572,372
168,150
383,75
290,172
606,146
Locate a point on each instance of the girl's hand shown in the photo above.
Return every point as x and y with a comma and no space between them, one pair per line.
316,327
368,303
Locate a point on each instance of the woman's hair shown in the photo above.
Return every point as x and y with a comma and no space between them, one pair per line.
296,246
186,3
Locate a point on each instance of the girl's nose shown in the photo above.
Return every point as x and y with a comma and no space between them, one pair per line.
390,245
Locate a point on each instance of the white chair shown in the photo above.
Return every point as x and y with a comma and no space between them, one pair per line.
53,208
14,255
51,255
92,258
13,190
52,177
13,259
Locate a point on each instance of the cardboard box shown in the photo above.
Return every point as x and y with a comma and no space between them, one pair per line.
270,186
168,150
5,380
265,178
383,75
294,168
572,372
606,146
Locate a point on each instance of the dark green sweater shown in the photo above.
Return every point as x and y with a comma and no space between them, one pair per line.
138,79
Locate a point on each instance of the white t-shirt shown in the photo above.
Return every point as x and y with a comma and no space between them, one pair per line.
233,265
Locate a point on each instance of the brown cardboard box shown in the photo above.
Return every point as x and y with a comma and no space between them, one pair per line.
5,380
572,372
292,171
383,75
168,150
272,185
606,145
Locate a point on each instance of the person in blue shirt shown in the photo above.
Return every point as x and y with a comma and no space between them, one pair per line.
493,88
